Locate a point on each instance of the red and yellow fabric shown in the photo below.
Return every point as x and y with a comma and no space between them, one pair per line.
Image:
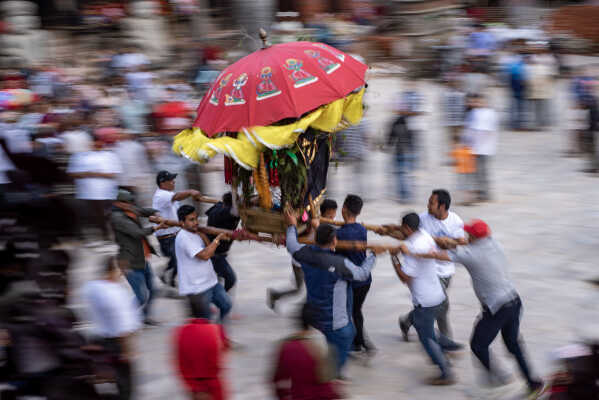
195,145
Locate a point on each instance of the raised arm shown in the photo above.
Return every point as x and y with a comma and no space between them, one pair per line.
362,272
291,240
209,250
185,194
436,255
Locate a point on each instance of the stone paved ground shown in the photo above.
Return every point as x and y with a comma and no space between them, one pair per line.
545,213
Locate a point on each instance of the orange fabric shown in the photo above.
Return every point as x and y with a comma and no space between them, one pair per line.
465,161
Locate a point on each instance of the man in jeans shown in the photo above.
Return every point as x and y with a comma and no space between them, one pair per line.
486,263
439,222
428,295
134,249
197,279
166,201
327,278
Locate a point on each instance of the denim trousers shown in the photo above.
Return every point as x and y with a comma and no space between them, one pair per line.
200,302
141,281
405,166
341,340
424,322
443,316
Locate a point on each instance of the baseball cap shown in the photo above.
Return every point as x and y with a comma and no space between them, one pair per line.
125,196
164,176
477,228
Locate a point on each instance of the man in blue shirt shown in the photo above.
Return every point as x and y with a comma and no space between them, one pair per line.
327,277
352,206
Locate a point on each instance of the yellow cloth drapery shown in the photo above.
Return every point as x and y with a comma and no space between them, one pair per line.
250,142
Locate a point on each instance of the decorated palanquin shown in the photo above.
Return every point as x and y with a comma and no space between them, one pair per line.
273,115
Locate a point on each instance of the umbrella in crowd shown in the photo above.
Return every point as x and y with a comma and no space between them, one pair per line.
273,113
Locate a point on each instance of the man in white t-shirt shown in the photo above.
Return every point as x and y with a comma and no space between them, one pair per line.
115,318
481,136
197,279
166,201
427,295
96,173
440,223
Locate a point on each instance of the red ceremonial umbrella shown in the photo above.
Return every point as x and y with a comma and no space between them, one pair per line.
281,81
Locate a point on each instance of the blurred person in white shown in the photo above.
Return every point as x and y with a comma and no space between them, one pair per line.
18,139
140,84
540,89
96,181
475,80
43,81
197,278
74,137
33,116
5,166
135,165
166,201
352,144
454,109
129,59
115,318
428,295
481,136
133,113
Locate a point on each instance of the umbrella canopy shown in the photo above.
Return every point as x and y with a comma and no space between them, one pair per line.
281,81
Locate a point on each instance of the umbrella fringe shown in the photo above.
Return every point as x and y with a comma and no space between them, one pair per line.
250,142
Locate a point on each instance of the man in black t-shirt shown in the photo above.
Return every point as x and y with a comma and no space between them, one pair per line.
223,215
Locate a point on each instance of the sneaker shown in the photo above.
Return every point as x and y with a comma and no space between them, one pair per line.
163,278
442,380
151,322
270,299
536,389
405,328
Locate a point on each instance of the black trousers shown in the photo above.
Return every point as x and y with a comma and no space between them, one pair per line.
224,270
507,321
96,215
123,370
298,279
360,294
167,246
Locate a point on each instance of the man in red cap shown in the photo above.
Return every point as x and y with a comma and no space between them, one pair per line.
486,263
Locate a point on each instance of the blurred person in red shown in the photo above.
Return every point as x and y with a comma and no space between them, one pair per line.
200,347
303,370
